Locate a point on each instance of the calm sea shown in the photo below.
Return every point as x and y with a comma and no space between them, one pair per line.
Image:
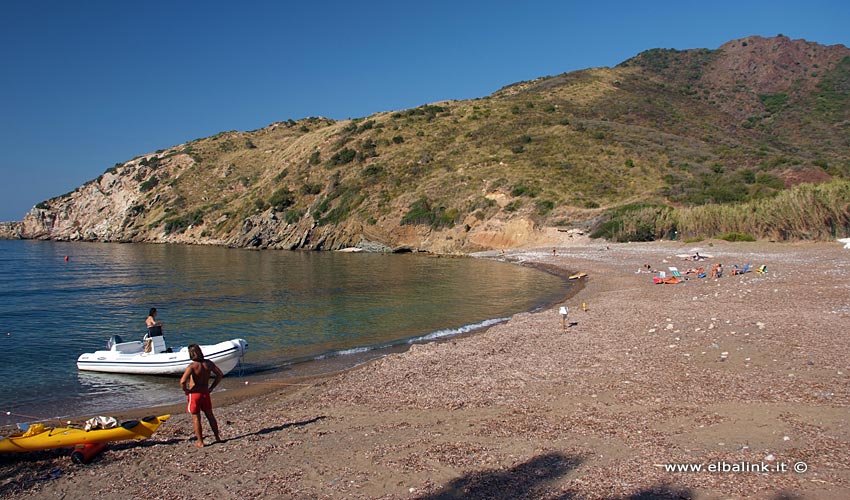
300,312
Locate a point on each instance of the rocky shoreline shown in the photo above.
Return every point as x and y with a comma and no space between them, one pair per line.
741,370
11,231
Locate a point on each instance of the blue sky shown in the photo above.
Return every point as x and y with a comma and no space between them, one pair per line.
85,85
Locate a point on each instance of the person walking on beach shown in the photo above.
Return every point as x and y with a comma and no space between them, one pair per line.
195,383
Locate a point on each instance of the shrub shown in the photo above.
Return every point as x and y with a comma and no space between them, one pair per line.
736,237
773,102
544,206
369,149
308,189
282,199
747,176
180,223
513,206
398,139
148,184
419,212
523,190
292,216
314,159
447,217
634,222
152,162
343,156
769,180
373,171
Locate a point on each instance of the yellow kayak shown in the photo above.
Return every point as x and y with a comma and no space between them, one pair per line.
39,437
577,276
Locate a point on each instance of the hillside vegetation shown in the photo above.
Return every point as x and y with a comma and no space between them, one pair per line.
752,138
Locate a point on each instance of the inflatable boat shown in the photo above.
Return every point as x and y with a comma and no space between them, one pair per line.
151,356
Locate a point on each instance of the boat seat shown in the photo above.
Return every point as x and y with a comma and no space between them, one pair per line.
128,347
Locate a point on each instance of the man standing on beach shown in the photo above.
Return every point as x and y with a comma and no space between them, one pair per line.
195,383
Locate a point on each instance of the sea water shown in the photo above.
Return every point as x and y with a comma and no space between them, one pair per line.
295,309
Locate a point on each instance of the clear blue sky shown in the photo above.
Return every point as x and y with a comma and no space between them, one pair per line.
85,85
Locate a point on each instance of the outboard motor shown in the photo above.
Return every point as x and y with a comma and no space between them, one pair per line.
115,339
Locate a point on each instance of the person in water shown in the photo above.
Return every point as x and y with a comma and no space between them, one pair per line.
196,384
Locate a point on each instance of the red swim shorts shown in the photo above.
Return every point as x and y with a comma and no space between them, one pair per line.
199,402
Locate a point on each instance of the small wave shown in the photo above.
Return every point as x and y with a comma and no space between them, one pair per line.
348,352
439,334
457,331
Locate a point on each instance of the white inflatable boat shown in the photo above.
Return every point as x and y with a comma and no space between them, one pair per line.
150,356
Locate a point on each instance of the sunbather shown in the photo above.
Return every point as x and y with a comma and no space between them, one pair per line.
717,271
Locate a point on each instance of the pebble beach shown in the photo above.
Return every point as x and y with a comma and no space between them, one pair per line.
713,388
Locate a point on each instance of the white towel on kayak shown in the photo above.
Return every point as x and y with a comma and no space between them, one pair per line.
101,423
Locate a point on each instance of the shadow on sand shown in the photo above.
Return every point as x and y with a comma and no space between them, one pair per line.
277,428
535,480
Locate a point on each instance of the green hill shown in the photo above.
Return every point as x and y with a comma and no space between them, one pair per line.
695,143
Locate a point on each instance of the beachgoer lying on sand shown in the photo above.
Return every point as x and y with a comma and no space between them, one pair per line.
645,269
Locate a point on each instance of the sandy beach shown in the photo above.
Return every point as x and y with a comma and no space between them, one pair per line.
745,376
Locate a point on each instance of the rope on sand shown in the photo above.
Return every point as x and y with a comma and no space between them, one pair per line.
34,418
277,383
9,414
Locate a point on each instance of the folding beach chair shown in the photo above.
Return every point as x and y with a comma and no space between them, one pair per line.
762,269
675,272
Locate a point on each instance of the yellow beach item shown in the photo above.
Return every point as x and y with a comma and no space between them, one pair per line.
38,437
